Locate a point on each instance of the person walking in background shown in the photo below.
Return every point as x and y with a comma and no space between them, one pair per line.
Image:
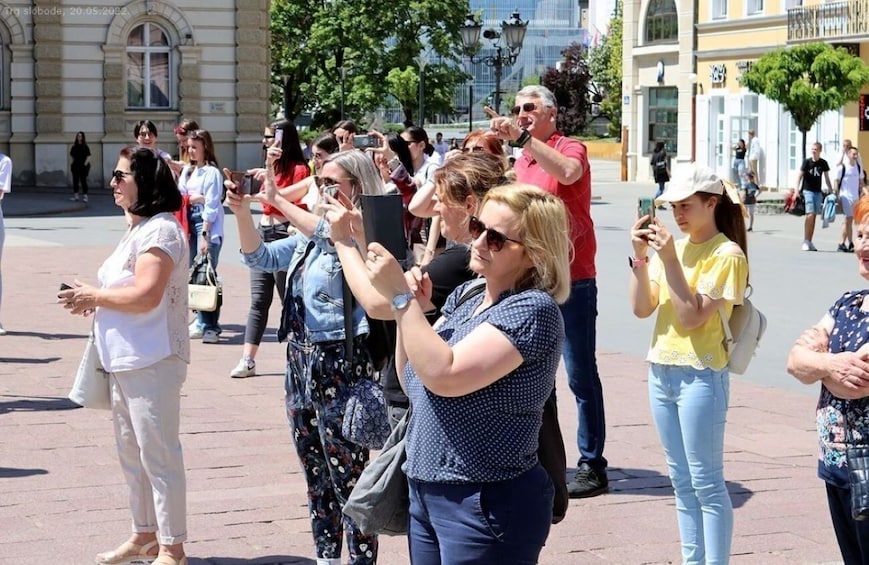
440,146
5,188
809,183
849,189
140,332
688,281
749,194
660,167
202,183
290,167
738,164
559,165
755,153
80,154
833,353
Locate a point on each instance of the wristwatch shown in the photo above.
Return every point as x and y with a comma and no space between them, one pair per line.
635,262
401,301
522,140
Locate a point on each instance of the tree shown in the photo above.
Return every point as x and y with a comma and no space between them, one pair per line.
808,80
605,65
570,85
312,40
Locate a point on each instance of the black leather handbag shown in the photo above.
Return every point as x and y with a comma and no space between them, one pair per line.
857,457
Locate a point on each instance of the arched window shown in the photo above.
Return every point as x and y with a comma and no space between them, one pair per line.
662,24
148,67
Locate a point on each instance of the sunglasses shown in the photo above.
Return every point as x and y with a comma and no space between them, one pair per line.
119,175
474,149
268,136
326,181
495,240
526,107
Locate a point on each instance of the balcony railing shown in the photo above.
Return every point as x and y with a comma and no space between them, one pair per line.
847,19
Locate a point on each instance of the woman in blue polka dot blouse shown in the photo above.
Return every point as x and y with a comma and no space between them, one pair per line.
477,382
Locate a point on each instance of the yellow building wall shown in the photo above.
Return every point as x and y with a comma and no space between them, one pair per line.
736,9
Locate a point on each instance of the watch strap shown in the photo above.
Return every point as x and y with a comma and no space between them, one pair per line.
635,262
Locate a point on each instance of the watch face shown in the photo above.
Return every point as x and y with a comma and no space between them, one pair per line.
401,301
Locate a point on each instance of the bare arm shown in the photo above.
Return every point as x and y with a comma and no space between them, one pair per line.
643,294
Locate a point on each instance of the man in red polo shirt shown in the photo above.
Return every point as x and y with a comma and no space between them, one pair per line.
559,165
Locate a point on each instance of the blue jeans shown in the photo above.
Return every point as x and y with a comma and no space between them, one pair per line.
690,409
580,317
814,202
480,523
206,320
660,191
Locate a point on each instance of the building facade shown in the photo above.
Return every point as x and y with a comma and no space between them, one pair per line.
102,66
682,81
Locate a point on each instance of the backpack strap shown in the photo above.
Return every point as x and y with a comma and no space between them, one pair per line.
473,290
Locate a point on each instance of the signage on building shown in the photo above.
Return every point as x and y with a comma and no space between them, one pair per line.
864,112
717,74
743,67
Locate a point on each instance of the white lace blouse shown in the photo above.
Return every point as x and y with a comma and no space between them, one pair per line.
128,341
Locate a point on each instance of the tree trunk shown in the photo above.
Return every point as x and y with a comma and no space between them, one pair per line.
805,133
407,110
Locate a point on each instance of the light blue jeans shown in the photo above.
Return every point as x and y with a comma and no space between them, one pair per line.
690,409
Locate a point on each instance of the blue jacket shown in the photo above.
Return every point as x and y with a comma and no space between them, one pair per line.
319,282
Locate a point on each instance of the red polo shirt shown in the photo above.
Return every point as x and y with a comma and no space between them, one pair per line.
576,197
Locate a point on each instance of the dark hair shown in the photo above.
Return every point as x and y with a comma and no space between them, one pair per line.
660,146
399,146
207,144
158,191
729,219
83,139
291,148
144,124
327,142
347,125
416,134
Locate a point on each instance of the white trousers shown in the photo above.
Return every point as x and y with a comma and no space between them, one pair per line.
146,409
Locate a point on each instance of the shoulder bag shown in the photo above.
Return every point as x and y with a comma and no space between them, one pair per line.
742,333
857,459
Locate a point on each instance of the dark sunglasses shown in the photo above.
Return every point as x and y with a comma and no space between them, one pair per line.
474,149
494,239
326,181
526,107
268,137
119,175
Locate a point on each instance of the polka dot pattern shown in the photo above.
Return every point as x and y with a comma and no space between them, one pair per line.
490,434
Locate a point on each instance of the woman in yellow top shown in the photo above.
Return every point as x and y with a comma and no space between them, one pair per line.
688,281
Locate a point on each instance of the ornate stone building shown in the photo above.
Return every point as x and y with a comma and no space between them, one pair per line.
100,67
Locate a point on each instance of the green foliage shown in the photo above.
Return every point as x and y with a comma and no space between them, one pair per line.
312,39
605,66
808,80
570,86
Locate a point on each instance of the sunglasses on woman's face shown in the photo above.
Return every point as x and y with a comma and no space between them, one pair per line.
328,181
119,175
495,240
526,107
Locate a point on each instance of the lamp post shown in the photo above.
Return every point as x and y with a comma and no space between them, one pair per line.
339,64
507,44
422,61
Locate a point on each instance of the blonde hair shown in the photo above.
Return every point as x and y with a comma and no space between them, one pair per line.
544,231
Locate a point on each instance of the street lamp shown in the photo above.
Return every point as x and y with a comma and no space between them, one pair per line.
422,61
507,44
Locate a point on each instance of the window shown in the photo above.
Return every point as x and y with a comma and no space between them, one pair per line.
754,7
663,118
662,22
793,4
719,9
795,145
148,67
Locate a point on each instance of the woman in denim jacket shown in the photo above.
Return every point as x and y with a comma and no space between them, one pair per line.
312,322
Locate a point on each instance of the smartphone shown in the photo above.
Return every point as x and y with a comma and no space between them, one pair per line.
364,141
242,181
646,207
279,137
64,286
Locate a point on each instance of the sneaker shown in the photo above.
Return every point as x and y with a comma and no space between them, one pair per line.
805,246
84,198
851,247
809,246
2,330
74,198
587,483
209,336
812,247
842,247
195,330
246,368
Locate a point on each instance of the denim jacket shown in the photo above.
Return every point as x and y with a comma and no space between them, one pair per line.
319,282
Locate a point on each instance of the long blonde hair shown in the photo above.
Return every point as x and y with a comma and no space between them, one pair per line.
545,233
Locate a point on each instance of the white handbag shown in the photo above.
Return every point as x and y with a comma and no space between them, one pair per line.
91,388
202,290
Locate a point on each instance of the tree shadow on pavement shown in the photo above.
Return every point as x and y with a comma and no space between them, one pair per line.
34,404
12,473
652,483
266,560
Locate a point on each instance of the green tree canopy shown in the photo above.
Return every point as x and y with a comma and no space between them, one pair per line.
605,66
313,39
808,80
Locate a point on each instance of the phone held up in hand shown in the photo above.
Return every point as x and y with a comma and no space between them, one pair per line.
242,182
64,286
279,137
646,207
364,141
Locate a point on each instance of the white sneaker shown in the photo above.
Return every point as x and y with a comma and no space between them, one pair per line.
812,246
806,246
195,332
209,336
246,368
84,198
2,330
74,198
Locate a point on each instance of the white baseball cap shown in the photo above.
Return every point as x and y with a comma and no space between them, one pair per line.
689,179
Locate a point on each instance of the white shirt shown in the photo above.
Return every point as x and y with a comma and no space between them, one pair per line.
127,341
754,149
849,187
5,175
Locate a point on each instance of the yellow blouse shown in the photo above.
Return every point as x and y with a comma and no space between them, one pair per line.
715,268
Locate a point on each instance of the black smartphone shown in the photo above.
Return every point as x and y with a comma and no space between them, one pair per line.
64,286
364,141
646,207
243,182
